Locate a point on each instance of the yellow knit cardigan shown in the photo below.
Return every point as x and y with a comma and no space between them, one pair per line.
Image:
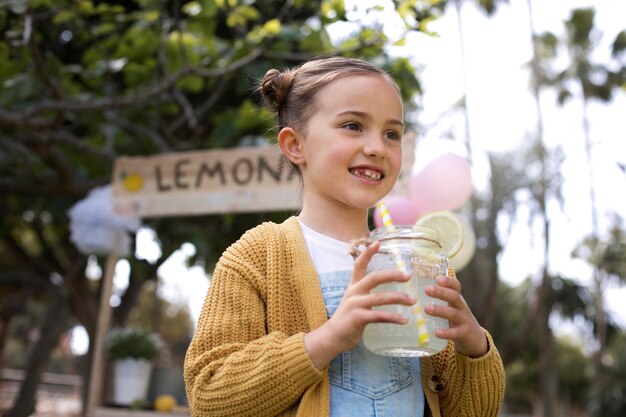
247,356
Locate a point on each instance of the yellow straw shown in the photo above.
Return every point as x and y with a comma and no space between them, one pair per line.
386,218
420,322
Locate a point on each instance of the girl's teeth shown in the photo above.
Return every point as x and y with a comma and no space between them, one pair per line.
368,173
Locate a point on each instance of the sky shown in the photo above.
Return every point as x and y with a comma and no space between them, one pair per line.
502,115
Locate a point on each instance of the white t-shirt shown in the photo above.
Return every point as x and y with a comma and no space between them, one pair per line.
328,254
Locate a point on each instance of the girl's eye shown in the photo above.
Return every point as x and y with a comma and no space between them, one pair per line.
352,126
393,135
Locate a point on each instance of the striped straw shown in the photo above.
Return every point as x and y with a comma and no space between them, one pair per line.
420,323
422,331
386,218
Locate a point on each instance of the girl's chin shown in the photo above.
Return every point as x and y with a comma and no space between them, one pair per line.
367,203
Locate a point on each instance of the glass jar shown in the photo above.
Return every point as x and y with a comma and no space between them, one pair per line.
417,251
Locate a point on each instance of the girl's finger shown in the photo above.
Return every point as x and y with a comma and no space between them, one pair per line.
445,294
374,279
380,316
361,262
447,289
388,297
449,282
451,314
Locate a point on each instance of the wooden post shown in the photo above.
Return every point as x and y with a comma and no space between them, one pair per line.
94,392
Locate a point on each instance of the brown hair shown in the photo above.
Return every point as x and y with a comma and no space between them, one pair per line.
291,94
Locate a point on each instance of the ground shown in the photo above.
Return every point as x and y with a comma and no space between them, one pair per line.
52,401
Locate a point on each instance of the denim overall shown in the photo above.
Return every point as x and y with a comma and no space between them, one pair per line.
364,384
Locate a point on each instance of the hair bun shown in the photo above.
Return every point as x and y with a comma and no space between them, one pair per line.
275,88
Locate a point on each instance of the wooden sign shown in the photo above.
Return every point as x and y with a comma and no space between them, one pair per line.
216,181
246,179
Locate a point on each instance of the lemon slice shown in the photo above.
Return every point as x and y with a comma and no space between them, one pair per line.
450,228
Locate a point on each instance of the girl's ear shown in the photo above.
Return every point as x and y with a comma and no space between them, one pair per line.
290,143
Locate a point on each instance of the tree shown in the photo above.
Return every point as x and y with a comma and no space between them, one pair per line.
85,81
608,256
610,400
481,275
589,81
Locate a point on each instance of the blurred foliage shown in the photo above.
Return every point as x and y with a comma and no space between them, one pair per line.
171,320
86,81
610,397
596,81
607,254
131,343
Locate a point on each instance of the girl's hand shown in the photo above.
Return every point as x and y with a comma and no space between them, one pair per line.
345,328
464,330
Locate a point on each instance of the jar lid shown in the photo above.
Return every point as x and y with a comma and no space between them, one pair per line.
407,232
400,232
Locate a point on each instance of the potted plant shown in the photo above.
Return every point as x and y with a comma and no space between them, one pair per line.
132,351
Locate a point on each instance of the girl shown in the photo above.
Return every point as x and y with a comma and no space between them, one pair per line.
280,330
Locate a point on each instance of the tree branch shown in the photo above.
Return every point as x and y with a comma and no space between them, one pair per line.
28,118
41,71
216,94
65,137
139,130
188,112
23,154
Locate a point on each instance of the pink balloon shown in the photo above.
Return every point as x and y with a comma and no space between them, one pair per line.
401,210
443,184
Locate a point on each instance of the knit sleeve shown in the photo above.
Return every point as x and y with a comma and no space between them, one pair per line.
469,387
233,367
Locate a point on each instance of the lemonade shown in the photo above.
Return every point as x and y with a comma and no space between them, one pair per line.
417,251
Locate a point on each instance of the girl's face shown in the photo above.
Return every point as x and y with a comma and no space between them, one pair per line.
351,145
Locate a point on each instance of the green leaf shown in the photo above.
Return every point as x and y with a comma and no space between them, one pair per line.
127,343
135,73
272,26
563,96
333,10
619,44
104,28
193,8
579,26
241,15
400,42
63,16
137,44
192,83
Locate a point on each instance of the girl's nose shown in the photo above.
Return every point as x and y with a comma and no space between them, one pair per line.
374,146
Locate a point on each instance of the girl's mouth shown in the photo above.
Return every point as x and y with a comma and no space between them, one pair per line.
368,173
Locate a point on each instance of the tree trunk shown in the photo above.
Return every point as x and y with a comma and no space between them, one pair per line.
598,293
547,372
480,278
4,329
54,324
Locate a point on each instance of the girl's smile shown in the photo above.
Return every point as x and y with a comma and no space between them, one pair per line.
368,173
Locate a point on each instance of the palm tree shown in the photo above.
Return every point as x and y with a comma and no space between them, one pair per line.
589,81
547,376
